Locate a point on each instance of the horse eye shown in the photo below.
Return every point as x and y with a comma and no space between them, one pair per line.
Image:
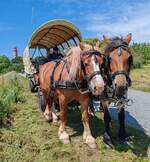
109,58
85,64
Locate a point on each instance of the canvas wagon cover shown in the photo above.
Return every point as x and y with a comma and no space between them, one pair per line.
53,33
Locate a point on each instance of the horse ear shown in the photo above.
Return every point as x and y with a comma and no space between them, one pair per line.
81,45
106,39
128,38
98,44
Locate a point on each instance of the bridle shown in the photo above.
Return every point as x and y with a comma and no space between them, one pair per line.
112,75
88,78
119,101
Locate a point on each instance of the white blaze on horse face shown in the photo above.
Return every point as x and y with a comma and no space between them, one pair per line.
97,78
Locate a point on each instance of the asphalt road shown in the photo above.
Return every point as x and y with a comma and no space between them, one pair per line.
137,115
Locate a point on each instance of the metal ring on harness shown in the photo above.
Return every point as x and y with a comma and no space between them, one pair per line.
123,102
129,102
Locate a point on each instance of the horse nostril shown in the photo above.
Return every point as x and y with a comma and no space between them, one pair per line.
94,88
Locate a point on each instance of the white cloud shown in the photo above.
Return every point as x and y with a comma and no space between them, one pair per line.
4,28
130,19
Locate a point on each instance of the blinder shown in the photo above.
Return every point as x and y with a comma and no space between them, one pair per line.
130,62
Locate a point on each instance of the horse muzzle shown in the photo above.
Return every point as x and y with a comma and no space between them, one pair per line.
96,88
120,90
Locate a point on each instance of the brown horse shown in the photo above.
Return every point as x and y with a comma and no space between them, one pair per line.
119,61
80,64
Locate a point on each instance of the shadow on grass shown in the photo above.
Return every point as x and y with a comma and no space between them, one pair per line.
75,122
138,144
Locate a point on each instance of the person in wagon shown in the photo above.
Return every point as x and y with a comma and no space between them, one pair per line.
55,55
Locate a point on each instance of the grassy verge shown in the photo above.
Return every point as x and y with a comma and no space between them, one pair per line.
31,139
10,93
141,78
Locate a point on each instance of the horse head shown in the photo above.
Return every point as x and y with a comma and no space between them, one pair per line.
119,61
90,59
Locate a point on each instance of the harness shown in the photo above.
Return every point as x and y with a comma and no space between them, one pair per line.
73,84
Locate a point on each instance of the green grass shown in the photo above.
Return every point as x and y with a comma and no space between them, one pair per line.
141,78
31,139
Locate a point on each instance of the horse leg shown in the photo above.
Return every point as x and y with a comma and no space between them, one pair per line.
48,112
63,136
87,136
54,116
107,119
122,132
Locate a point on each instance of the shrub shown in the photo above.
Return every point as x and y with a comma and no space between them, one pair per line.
17,60
141,53
4,59
9,94
16,64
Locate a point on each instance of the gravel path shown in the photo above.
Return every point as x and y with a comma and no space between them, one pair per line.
137,115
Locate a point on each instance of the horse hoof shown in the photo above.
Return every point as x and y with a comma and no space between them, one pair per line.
125,142
107,140
90,141
64,138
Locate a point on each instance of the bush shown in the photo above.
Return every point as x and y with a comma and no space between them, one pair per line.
15,67
4,59
141,54
17,60
16,64
10,94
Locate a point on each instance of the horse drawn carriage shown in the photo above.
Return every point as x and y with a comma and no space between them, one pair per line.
82,73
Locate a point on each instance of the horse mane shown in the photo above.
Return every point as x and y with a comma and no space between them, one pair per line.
73,59
115,42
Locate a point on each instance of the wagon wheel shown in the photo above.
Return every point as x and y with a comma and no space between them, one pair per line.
42,103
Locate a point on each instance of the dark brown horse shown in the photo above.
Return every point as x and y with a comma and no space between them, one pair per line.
81,64
118,65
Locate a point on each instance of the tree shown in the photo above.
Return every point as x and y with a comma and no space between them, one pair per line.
91,40
17,60
4,59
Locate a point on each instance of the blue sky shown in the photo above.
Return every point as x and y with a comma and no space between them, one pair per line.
18,19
